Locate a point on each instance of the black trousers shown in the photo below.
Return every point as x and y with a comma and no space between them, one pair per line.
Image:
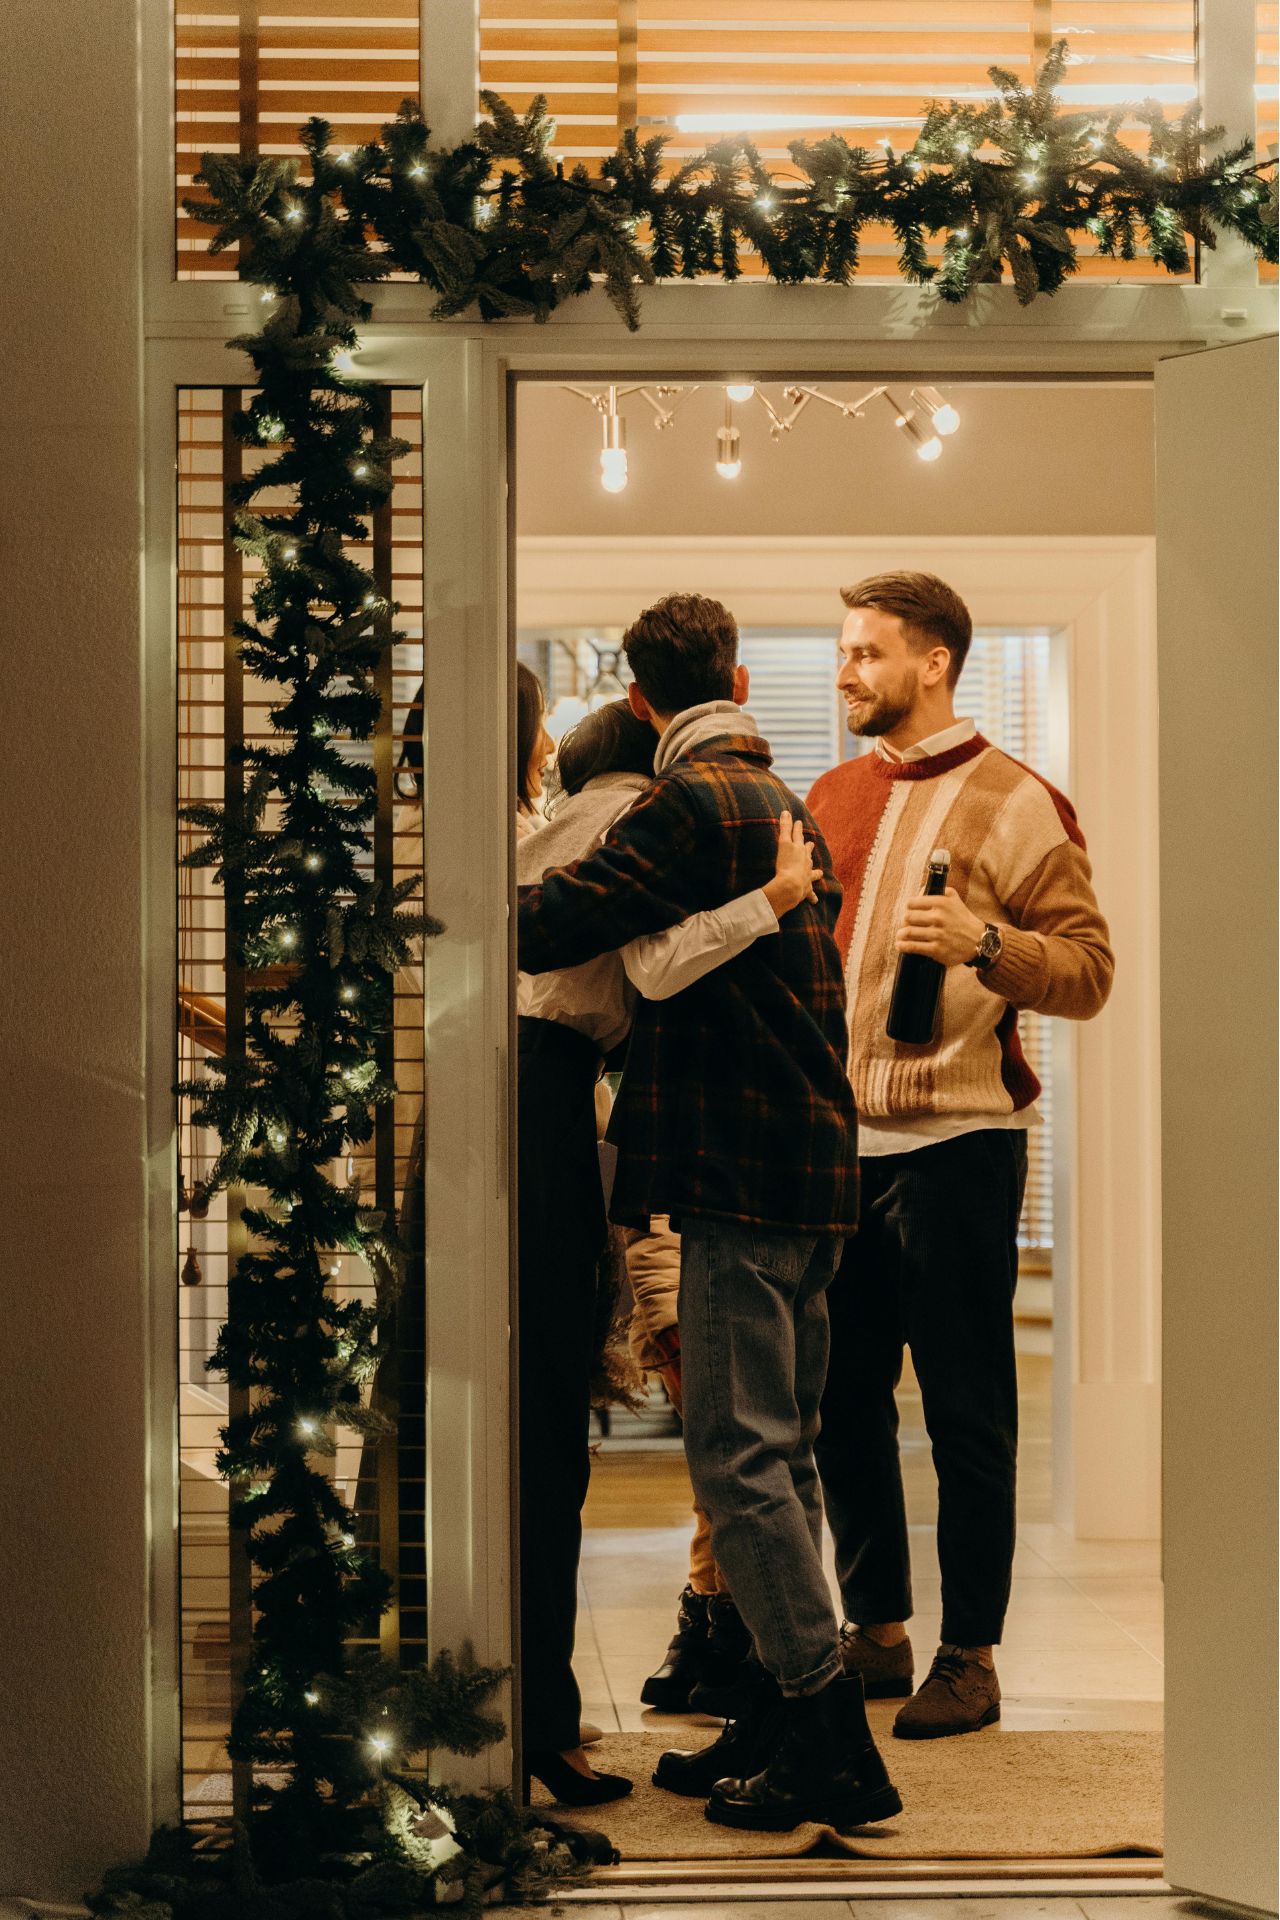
562,1236
933,1266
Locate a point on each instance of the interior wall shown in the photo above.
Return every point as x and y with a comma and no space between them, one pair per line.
1033,459
75,1659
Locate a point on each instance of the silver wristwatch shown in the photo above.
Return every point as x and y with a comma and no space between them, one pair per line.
988,950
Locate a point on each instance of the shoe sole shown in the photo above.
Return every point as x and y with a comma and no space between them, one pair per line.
988,1719
884,1804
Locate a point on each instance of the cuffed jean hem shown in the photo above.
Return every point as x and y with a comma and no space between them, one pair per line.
810,1683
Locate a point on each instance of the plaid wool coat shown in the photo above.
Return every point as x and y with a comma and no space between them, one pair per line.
735,1103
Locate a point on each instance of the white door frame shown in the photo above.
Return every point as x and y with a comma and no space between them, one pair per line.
465,370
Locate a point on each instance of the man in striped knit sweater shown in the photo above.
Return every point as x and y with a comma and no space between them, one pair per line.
943,1131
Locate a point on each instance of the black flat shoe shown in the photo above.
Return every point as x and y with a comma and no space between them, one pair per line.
571,1788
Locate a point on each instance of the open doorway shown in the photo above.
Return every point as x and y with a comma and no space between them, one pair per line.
1039,509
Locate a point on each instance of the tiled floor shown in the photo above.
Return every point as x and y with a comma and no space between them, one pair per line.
1084,1641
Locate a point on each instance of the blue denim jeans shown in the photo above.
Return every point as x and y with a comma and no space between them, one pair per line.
753,1342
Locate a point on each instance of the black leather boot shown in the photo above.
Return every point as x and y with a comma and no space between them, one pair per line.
730,1663
742,1749
686,1663
824,1767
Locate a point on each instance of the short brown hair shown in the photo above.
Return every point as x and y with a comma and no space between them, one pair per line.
683,651
931,612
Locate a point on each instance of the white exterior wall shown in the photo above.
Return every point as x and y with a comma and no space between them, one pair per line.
77,1655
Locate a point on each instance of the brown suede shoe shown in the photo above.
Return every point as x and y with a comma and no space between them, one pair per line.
959,1695
887,1672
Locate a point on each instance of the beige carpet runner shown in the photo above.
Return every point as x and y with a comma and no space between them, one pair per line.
989,1795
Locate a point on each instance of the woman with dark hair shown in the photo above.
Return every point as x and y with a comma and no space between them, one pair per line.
534,748
570,1020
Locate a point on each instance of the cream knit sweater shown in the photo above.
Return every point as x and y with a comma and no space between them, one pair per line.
1018,860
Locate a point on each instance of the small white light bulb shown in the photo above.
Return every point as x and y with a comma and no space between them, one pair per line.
929,449
293,213
348,993
740,390
416,173
306,1426
728,453
766,202
379,1743
360,471
311,1697
613,454
291,553
313,862
962,233
348,1539
613,469
288,938
946,419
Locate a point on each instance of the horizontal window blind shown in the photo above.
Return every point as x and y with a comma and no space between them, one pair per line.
1005,687
247,77
793,701
214,586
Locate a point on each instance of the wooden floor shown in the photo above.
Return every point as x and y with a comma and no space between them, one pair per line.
1084,1643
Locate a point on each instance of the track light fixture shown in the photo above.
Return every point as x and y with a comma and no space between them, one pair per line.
728,443
613,453
926,419
941,412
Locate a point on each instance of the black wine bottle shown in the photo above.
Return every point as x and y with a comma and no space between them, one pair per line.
917,984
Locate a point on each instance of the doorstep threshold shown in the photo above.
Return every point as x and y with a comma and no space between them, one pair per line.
809,1879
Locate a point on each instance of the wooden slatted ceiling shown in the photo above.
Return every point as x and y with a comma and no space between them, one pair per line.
1268,111
864,68
246,77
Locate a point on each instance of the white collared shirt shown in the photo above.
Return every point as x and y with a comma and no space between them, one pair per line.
941,742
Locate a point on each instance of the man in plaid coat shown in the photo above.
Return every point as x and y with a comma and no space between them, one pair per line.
736,1118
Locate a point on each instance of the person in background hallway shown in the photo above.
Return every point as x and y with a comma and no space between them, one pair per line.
735,1119
569,1019
943,1140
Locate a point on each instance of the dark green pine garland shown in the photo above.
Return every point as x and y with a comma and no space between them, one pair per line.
494,225
347,1827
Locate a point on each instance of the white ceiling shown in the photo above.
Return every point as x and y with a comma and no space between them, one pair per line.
1027,459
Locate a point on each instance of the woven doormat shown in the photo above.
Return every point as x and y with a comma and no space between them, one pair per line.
983,1796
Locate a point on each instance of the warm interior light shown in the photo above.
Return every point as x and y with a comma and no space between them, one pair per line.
740,390
946,419
929,449
613,454
728,453
613,469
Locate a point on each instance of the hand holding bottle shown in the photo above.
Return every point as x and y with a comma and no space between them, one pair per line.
941,927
